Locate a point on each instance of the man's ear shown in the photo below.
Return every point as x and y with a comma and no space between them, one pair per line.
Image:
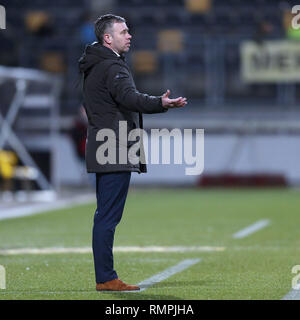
107,38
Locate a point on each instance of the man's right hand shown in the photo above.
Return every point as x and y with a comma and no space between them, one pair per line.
172,103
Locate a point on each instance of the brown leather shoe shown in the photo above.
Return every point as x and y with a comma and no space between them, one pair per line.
115,285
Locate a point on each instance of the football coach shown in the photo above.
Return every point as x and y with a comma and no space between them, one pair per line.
110,96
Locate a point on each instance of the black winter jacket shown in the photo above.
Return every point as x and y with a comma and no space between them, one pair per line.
110,96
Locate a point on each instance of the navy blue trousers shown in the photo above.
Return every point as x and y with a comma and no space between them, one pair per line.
111,191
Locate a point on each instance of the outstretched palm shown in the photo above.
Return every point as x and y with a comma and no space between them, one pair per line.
172,103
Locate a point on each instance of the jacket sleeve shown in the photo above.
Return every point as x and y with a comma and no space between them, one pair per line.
122,88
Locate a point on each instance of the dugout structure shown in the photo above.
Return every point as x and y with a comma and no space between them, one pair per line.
29,112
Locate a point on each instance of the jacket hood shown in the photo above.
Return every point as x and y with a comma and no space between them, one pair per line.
93,54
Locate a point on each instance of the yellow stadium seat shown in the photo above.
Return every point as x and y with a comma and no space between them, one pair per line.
144,61
170,40
198,6
8,161
52,62
34,20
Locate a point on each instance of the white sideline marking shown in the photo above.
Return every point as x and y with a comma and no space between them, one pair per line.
169,249
251,229
166,273
292,295
30,209
148,282
55,250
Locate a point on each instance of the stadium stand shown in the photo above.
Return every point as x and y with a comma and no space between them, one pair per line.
218,26
193,47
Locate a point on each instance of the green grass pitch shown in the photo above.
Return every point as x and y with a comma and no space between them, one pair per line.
255,267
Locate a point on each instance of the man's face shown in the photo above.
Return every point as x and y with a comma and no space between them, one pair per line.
120,37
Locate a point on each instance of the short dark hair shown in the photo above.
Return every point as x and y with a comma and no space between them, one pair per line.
105,22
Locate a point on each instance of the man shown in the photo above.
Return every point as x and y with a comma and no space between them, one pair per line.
109,97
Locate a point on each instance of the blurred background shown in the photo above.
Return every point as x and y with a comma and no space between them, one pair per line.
236,61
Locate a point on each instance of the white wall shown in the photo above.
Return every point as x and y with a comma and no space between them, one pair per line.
278,154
